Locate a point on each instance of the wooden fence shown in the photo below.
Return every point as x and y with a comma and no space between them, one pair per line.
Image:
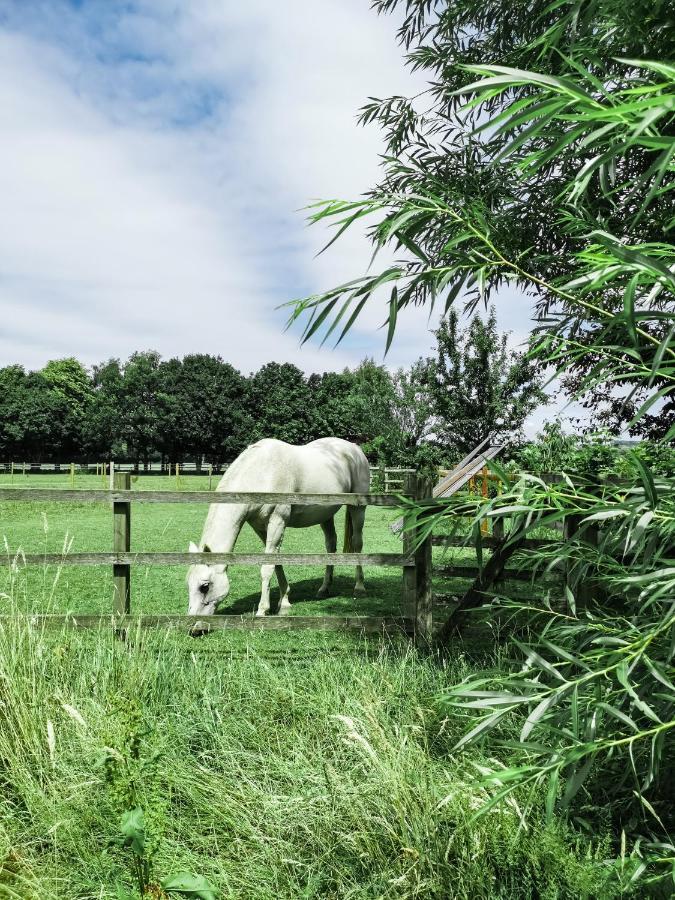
417,600
389,479
418,597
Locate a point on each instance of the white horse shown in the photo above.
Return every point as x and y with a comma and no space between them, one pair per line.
326,466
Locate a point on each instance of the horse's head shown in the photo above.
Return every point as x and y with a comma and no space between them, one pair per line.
206,586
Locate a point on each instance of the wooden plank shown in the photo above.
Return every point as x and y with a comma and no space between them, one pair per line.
472,572
491,542
255,497
240,559
200,624
122,544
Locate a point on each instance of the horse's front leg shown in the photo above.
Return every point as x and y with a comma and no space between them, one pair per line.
330,536
284,587
275,535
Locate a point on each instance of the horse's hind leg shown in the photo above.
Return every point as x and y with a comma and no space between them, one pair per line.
276,526
358,516
330,536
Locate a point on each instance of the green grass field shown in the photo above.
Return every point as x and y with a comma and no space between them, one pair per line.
276,765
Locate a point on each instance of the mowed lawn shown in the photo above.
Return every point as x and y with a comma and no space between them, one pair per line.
87,527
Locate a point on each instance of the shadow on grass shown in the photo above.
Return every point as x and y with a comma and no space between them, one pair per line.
382,598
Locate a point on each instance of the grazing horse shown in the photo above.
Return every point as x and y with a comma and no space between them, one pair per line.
326,466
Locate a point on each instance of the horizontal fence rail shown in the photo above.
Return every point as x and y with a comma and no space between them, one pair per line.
490,542
364,624
140,496
215,559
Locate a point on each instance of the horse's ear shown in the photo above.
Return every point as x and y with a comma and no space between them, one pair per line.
193,547
207,549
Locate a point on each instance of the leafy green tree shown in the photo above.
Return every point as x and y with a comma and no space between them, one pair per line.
279,402
142,405
32,416
545,156
105,418
458,166
12,399
371,400
204,409
554,451
413,406
478,386
359,405
70,382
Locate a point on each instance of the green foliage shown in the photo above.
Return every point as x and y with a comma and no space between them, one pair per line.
356,405
207,410
281,403
554,451
477,386
137,785
562,145
202,408
32,414
412,406
542,155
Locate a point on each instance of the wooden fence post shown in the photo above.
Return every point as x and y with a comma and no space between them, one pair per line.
424,601
409,599
210,476
122,544
417,579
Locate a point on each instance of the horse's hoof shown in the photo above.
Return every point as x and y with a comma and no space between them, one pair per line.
359,590
322,592
283,610
260,615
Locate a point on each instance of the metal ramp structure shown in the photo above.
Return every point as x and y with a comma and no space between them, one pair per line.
461,474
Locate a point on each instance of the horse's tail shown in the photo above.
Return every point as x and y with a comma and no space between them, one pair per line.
349,532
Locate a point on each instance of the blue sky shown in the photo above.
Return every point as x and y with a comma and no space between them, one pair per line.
155,159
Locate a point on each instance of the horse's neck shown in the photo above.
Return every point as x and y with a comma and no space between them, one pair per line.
223,524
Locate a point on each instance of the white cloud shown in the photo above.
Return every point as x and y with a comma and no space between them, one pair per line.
124,227
155,156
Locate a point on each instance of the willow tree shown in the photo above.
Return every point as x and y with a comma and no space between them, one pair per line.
542,155
458,169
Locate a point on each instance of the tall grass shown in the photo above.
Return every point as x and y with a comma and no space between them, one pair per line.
320,773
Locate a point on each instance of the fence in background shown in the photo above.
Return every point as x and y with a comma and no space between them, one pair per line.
387,479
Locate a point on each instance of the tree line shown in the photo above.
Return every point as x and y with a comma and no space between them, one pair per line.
202,408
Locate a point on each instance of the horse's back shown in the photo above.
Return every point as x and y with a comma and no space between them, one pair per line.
324,466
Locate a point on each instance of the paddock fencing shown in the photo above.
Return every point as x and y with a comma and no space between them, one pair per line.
418,598
414,561
383,479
